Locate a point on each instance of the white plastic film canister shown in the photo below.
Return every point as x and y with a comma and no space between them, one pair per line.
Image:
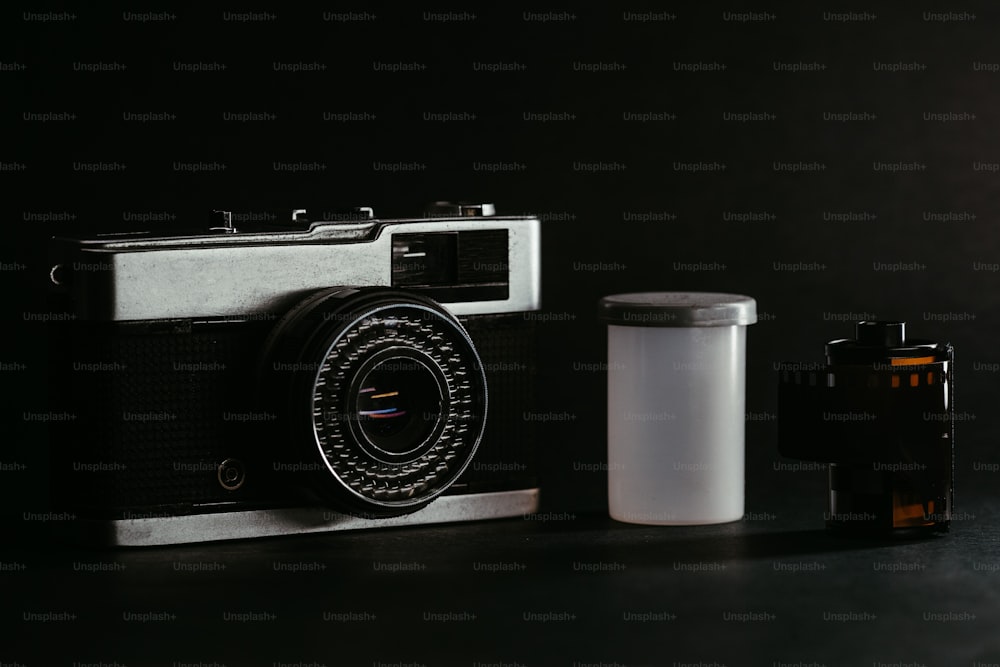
676,398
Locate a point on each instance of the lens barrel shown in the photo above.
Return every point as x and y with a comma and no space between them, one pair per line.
382,390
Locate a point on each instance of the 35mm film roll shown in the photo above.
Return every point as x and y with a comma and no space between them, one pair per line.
880,412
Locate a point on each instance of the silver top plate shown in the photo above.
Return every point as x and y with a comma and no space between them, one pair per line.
234,275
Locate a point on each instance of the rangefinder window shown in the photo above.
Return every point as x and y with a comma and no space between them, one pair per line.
424,259
473,264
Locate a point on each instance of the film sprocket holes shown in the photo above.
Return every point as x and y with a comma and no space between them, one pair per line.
332,375
880,412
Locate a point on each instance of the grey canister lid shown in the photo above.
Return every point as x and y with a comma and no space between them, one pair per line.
678,309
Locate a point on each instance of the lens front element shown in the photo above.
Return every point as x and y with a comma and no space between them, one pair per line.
399,405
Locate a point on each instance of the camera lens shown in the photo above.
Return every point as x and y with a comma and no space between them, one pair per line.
384,390
398,405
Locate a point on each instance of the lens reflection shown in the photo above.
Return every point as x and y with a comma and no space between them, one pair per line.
398,405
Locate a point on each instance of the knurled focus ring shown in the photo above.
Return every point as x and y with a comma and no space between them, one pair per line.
436,340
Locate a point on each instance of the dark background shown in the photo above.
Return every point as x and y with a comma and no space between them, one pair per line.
840,239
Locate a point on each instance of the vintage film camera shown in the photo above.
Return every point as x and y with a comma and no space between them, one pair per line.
313,376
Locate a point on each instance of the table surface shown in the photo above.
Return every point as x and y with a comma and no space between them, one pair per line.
553,589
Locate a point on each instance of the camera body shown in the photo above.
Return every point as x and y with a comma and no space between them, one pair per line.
306,377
